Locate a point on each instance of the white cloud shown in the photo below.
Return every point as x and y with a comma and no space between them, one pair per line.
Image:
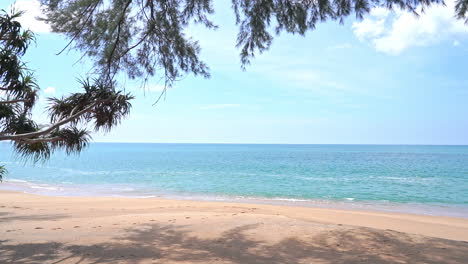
219,106
49,90
368,28
392,33
32,9
379,12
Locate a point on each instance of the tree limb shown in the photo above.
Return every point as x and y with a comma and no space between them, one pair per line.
39,140
14,101
119,25
52,127
81,29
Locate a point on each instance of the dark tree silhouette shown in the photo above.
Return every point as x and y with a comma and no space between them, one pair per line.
100,105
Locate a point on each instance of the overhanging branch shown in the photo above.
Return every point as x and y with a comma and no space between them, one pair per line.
49,129
40,140
14,101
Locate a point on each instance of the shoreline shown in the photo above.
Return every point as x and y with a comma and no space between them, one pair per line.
436,225
46,229
347,204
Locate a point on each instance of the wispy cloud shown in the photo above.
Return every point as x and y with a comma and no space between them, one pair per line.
32,9
312,79
305,78
392,33
219,106
296,77
340,46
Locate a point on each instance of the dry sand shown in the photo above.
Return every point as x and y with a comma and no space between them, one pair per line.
40,229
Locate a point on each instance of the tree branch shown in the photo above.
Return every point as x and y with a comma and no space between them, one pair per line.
81,29
39,140
52,127
14,101
119,25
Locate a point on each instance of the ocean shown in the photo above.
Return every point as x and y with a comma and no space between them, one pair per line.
401,178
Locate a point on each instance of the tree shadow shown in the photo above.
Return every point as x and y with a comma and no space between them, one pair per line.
7,217
28,252
175,244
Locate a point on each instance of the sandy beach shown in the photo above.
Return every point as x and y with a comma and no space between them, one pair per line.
42,229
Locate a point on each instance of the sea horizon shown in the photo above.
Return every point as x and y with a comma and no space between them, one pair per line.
234,143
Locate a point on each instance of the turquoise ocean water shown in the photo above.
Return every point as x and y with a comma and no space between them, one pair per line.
415,179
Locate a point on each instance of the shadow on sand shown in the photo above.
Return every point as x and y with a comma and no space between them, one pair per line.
172,244
8,217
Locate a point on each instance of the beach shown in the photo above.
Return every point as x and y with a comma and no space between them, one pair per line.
200,132
45,229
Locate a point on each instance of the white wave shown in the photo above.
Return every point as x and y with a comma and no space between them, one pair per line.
145,196
16,180
289,199
101,172
124,189
46,188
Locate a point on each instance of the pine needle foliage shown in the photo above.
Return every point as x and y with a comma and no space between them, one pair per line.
145,38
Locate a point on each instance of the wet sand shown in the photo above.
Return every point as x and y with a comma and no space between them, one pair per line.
42,229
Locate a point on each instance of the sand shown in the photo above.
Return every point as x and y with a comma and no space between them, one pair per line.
41,229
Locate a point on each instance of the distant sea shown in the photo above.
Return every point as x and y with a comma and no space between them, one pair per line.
412,179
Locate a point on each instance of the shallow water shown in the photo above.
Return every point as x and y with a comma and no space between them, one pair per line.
421,179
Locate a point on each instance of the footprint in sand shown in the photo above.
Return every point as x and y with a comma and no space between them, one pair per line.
76,227
38,228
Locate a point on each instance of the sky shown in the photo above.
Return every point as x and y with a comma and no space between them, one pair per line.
390,78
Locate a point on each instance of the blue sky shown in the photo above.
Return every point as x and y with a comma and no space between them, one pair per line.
388,79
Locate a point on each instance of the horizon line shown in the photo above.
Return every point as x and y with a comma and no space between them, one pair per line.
243,143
